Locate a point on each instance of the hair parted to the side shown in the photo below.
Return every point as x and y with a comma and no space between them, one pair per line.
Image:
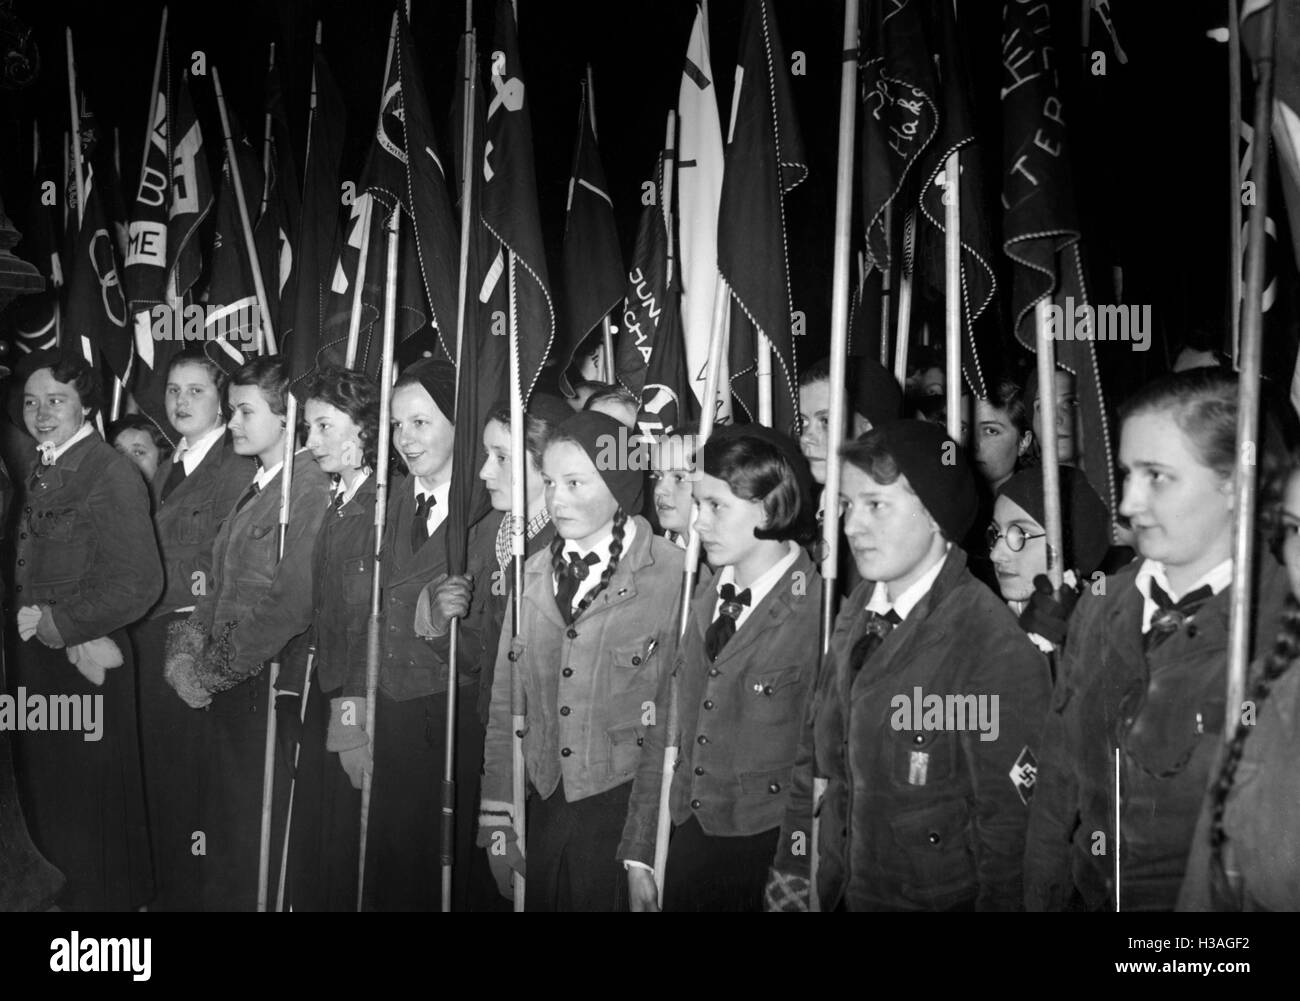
757,471
71,370
537,430
1009,397
220,379
139,422
356,395
870,454
612,394
615,553
268,374
1203,403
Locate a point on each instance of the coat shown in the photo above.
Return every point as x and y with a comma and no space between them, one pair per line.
749,704
343,572
1166,713
921,818
412,666
590,687
186,522
263,600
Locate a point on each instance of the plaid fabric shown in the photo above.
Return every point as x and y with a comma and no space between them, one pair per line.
786,892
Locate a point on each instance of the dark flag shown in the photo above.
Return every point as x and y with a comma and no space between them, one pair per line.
1040,225
37,317
957,134
593,261
764,161
275,207
509,201
96,324
318,224
146,255
651,350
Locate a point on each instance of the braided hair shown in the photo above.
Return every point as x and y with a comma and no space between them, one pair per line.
615,552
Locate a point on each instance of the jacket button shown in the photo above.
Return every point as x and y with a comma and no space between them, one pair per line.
22,535
701,739
699,770
565,710
708,703
919,739
714,672
565,752
640,741
1191,631
572,633
934,838
567,672
775,787
636,661
695,804
22,563
27,510
19,588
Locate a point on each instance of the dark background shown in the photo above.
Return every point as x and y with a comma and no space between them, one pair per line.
1149,139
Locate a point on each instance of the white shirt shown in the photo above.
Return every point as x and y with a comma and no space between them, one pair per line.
192,455
601,549
85,431
760,588
265,476
909,599
349,492
1217,579
438,512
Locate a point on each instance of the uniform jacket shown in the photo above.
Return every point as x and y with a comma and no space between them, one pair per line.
85,543
590,689
262,600
1261,816
748,705
343,573
413,667
920,819
187,521
1167,716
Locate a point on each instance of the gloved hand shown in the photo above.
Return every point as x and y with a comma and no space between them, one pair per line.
47,632
444,598
185,643
356,762
28,618
786,892
346,736
288,727
94,658
496,834
643,894
1047,615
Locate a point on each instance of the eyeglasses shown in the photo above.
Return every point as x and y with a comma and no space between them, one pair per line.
1015,535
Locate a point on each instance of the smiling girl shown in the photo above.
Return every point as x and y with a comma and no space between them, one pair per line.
598,631
1143,669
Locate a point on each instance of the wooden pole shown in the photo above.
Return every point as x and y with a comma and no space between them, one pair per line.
266,331
518,522
1234,175
153,96
1046,360
905,298
293,782
839,373
374,627
1248,360
266,140
952,290
78,181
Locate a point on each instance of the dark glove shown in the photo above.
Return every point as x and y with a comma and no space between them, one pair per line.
1047,615
288,726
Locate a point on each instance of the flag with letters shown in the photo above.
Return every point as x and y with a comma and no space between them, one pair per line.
146,255
96,319
192,194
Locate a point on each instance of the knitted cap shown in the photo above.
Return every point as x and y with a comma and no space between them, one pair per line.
610,446
876,394
783,444
438,378
935,467
1085,524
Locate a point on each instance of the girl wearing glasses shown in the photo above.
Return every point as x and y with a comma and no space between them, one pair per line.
1142,677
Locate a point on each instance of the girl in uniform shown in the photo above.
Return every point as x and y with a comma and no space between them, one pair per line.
1142,673
598,632
193,491
256,603
743,672
87,567
136,437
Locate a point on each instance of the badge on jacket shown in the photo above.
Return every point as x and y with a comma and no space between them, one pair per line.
918,767
1024,773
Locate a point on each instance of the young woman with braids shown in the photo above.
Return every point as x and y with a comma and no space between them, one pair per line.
598,633
1143,668
1245,855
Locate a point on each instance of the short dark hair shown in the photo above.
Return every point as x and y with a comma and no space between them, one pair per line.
267,373
871,455
757,471
615,394
139,422
71,370
1007,396
537,430
1203,403
818,371
356,395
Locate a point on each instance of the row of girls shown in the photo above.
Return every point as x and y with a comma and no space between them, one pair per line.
176,624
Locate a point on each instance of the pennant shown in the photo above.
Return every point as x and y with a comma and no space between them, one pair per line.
146,255
96,314
192,195
275,222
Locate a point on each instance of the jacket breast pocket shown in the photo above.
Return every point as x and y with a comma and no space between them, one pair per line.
775,697
194,524
936,841
357,580
633,665
53,524
262,541
62,553
922,757
625,743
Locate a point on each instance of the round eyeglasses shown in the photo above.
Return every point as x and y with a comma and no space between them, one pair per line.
1015,535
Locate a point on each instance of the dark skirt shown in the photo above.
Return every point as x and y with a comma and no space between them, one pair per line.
171,735
716,874
84,799
571,853
326,835
403,844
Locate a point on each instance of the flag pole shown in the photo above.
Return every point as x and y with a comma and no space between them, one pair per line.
901,340
1234,175
952,290
1249,368
607,328
374,627
266,140
265,328
153,96
518,520
449,749
1045,350
367,217
884,286
76,135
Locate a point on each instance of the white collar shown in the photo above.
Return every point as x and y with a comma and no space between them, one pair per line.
909,599
440,492
192,455
85,431
265,476
1217,578
761,587
349,493
601,548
